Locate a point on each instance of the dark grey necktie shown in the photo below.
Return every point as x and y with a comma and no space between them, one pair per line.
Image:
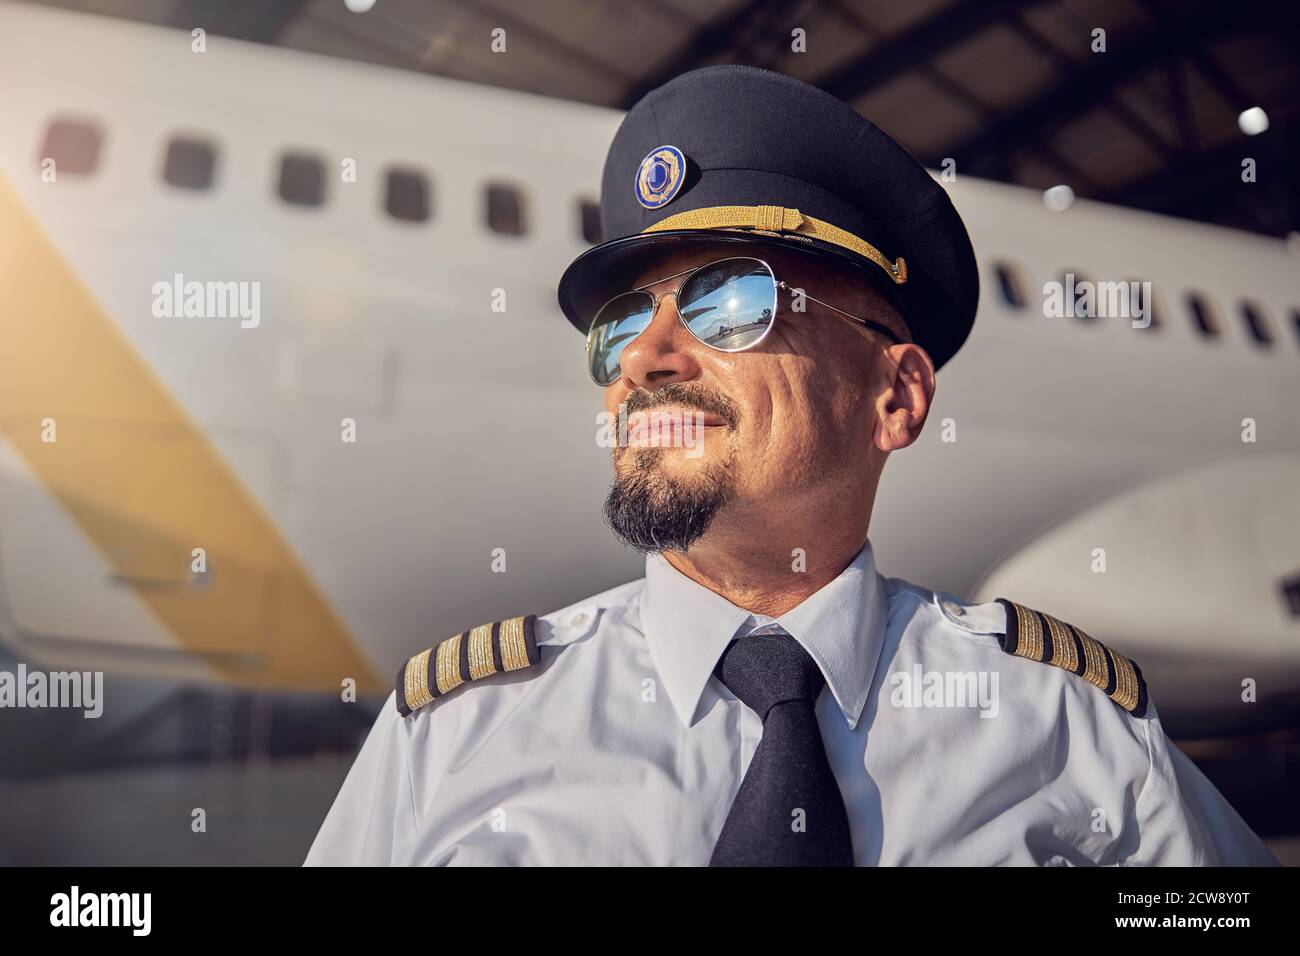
776,678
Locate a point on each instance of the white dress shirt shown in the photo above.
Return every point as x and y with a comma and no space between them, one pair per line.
621,747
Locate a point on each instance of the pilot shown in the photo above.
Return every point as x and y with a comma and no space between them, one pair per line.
782,284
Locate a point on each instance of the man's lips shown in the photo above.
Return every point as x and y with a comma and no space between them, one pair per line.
665,417
670,426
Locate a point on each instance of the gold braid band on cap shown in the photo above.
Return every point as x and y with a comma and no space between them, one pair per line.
480,652
776,220
1041,637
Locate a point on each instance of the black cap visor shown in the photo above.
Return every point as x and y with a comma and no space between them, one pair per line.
614,267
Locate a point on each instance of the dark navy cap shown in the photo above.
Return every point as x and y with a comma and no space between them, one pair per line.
740,154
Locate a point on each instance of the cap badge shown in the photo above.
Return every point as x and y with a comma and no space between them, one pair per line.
660,176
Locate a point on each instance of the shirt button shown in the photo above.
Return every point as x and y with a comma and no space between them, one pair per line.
578,619
952,608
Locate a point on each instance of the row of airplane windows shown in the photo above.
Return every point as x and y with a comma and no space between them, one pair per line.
1201,310
191,162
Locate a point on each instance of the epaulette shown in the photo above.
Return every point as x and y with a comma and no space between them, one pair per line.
488,649
1041,637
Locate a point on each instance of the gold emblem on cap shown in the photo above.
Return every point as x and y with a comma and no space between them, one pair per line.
660,176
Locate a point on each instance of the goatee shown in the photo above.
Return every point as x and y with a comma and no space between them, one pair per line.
651,513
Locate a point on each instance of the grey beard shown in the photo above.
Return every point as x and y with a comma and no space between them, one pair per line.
650,513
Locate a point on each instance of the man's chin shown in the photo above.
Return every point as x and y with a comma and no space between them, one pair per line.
662,501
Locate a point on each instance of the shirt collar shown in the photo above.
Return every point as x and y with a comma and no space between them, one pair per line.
842,626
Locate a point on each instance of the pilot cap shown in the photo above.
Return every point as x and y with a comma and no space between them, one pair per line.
741,154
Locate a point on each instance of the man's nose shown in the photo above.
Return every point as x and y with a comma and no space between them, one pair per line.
663,353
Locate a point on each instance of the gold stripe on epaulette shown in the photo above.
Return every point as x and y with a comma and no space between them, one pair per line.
448,664
1031,636
480,652
514,654
1096,668
1064,651
488,649
1127,689
1028,634
417,680
1074,650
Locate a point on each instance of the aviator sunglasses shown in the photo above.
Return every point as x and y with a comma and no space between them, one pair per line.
728,304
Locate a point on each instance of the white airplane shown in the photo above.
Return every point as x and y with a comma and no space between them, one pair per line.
177,499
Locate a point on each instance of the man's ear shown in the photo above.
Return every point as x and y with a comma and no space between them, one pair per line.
903,401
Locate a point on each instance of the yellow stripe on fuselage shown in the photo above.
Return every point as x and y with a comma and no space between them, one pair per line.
142,479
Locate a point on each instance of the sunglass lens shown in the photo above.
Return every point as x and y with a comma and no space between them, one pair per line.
730,304
619,321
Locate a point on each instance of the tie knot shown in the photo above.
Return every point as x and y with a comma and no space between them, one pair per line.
765,669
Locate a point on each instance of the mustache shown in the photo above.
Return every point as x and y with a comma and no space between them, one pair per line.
685,395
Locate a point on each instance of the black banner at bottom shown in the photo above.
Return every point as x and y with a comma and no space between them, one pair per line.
227,906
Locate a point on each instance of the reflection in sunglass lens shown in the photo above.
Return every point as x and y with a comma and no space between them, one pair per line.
729,304
618,322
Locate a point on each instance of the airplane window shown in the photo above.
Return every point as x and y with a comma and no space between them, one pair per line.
407,195
589,213
302,179
73,145
1138,303
1009,285
1203,315
190,163
1291,591
1257,324
505,209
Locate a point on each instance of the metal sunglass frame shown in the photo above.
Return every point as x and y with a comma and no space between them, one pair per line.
777,286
